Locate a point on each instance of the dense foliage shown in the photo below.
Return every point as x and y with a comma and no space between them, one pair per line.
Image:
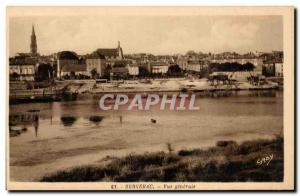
231,67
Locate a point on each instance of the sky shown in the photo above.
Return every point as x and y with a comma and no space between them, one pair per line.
147,34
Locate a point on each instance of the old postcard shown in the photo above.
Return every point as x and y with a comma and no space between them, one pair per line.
150,98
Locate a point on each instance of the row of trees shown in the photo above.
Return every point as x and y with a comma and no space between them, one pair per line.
214,67
231,67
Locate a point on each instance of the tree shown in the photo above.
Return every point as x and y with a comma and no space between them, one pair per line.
66,77
191,53
44,72
94,73
232,67
72,75
107,72
14,76
143,72
174,70
249,66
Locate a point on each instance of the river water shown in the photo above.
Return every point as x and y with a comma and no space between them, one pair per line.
53,143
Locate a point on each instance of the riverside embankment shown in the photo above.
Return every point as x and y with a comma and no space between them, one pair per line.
66,90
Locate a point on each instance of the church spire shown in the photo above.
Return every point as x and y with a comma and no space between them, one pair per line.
33,44
33,33
120,51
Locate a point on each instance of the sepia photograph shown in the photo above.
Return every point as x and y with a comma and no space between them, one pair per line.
150,98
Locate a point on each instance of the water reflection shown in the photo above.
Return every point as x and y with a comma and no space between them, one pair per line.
96,119
227,93
121,119
18,123
85,112
36,128
245,115
68,120
262,94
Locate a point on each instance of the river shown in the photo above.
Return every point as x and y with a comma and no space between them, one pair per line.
51,144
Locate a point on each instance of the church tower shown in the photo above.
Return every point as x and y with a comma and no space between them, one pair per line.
120,51
33,45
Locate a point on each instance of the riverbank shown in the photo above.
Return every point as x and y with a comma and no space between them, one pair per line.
69,89
258,160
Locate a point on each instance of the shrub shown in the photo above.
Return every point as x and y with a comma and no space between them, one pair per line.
228,162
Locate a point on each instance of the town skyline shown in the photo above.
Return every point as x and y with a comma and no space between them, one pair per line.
166,97
254,33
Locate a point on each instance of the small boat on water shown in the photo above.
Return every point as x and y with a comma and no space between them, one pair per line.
15,131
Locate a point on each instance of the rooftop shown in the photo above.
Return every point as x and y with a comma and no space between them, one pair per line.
22,60
107,52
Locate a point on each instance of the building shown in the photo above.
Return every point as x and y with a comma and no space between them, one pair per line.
192,64
273,63
74,71
22,67
158,67
111,54
273,67
196,66
120,69
133,69
33,44
69,65
101,59
182,62
279,69
96,62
